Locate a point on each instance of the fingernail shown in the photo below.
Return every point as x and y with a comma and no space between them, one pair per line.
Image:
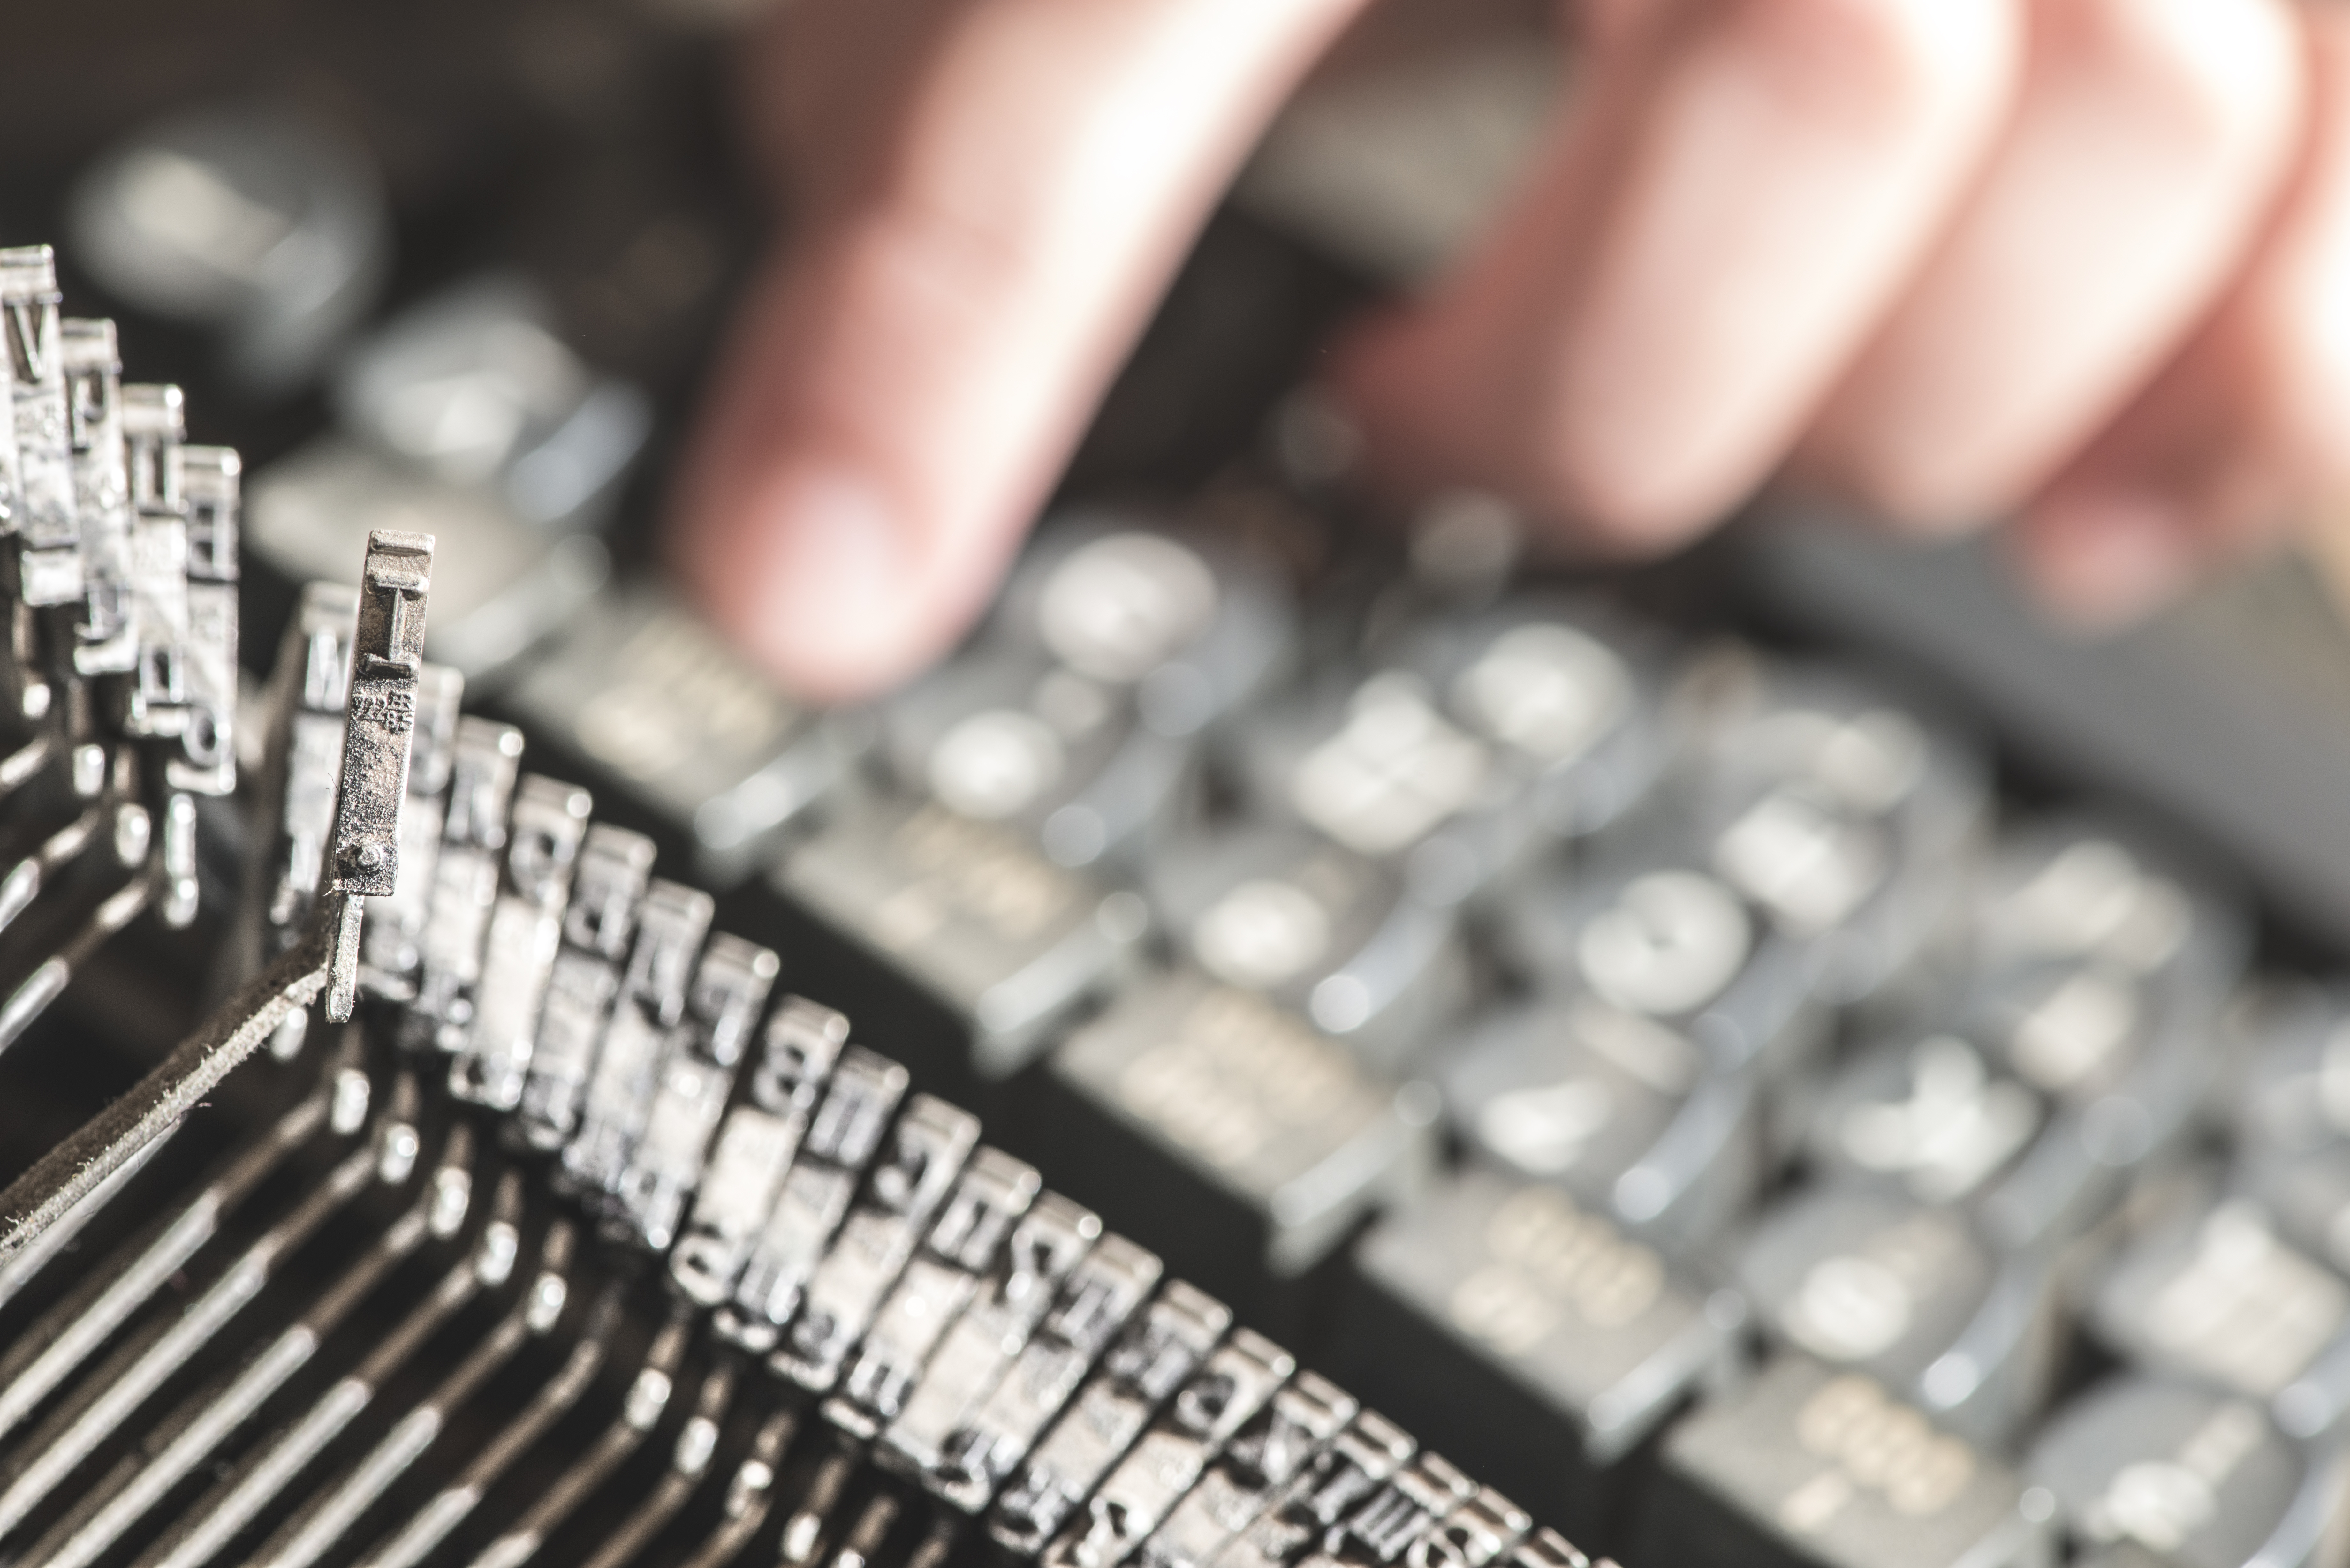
842,598
2101,563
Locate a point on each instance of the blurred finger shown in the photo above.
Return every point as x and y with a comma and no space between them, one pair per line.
997,191
2146,147
1729,205
2249,427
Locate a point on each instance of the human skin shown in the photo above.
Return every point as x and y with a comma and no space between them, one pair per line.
2079,267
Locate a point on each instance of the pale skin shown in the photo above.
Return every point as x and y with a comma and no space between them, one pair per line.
2079,269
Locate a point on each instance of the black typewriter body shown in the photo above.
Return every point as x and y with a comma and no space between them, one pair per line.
1308,1042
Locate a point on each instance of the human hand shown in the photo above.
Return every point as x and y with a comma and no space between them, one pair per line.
2082,263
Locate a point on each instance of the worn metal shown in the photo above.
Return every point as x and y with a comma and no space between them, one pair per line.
365,859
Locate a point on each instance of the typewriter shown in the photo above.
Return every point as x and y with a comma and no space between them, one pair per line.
1281,1052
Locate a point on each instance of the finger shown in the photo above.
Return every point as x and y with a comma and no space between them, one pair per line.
980,251
1608,24
2146,147
2249,428
1726,209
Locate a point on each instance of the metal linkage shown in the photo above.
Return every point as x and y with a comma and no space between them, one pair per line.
363,856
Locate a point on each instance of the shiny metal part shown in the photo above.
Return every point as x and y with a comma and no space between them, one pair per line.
650,1009
1107,1286
324,960
106,642
754,1147
930,1296
1229,1388
842,1138
329,1517
876,1240
607,888
46,562
211,478
451,1506
982,1346
730,988
1106,1417
1254,1469
485,762
392,955
493,1048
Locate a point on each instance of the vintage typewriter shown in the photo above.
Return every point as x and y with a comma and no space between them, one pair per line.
1270,1056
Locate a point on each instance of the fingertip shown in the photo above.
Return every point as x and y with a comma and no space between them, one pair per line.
1399,378
818,575
2101,560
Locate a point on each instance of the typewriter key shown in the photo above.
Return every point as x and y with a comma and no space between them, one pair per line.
1810,1466
1229,1130
1529,1337
2192,1476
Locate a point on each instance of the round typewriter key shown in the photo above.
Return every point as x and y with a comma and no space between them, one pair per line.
1571,1089
1912,1295
1849,821
1932,1116
1002,736
1649,930
2098,977
2305,1193
2194,1476
2294,1091
1335,937
271,227
1483,741
1177,620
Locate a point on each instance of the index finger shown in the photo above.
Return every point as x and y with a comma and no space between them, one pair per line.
983,251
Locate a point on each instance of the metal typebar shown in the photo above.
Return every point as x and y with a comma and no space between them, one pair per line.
365,858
